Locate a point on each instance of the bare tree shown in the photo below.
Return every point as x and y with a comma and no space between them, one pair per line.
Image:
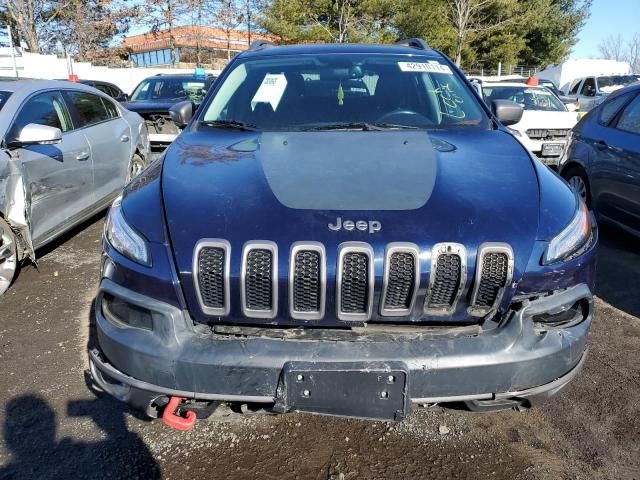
228,16
612,48
616,48
164,15
32,19
469,17
633,53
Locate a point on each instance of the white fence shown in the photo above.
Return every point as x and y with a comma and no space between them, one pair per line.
31,65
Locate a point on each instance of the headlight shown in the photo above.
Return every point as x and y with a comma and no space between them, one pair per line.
123,238
572,239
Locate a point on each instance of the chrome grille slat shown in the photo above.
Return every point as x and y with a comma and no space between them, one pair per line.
307,281
401,279
494,272
354,282
259,281
211,275
447,279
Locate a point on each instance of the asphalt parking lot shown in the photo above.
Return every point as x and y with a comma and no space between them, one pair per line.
54,426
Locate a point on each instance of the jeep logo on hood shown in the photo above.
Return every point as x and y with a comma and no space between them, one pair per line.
372,226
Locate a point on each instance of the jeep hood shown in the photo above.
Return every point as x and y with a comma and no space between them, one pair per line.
467,186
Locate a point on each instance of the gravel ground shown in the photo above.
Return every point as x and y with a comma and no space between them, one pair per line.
55,426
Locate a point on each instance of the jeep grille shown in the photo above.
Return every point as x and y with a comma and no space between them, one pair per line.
211,270
259,281
493,275
355,281
448,276
401,279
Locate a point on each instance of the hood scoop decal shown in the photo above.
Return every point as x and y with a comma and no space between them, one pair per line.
349,170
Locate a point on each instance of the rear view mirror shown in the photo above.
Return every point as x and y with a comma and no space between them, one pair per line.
506,111
35,134
182,113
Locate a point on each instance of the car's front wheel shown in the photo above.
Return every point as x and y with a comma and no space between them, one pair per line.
578,181
8,256
136,165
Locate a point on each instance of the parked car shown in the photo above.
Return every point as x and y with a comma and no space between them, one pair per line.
545,122
66,151
602,162
153,97
344,230
105,87
591,91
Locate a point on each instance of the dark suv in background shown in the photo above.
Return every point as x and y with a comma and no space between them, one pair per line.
153,97
344,230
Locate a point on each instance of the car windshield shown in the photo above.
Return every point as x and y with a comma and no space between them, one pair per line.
166,88
614,82
530,98
3,98
342,91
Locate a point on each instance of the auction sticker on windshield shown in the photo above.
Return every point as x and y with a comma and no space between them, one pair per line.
270,91
429,67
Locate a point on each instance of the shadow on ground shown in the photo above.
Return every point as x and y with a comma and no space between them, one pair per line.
30,435
618,274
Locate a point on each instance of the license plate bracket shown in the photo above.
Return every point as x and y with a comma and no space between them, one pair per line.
552,149
346,389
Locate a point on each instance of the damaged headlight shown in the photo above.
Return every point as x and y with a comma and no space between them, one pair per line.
123,238
572,239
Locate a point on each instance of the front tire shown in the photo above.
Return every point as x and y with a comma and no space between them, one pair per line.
8,256
136,165
578,181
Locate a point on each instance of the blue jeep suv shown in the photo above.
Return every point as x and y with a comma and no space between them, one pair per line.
343,230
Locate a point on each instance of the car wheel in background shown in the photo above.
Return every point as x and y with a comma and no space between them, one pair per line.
577,179
136,165
8,256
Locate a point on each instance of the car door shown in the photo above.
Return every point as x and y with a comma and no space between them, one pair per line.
109,136
625,143
58,177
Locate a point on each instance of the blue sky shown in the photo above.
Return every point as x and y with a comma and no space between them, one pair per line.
608,17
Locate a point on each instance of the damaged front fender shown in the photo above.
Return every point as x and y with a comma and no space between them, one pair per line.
15,202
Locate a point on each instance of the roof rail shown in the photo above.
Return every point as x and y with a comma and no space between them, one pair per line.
414,43
260,44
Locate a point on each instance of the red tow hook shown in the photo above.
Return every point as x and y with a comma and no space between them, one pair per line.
174,420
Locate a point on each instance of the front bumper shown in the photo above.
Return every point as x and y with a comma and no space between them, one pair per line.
514,361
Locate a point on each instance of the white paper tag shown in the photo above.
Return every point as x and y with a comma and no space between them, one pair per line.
270,91
430,67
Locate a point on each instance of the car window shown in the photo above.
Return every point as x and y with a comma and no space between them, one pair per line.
609,109
615,82
3,98
588,87
112,110
574,87
167,88
105,89
43,109
630,118
90,108
530,98
294,93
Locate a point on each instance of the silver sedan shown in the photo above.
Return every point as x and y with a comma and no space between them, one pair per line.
66,151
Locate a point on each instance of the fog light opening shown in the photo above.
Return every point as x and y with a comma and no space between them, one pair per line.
570,317
122,313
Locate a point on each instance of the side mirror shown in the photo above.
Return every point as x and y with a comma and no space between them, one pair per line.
182,113
123,97
36,134
506,111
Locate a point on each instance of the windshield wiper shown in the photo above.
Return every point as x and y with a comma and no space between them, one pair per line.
364,126
234,124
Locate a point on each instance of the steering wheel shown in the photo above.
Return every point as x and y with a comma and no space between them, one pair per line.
400,116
